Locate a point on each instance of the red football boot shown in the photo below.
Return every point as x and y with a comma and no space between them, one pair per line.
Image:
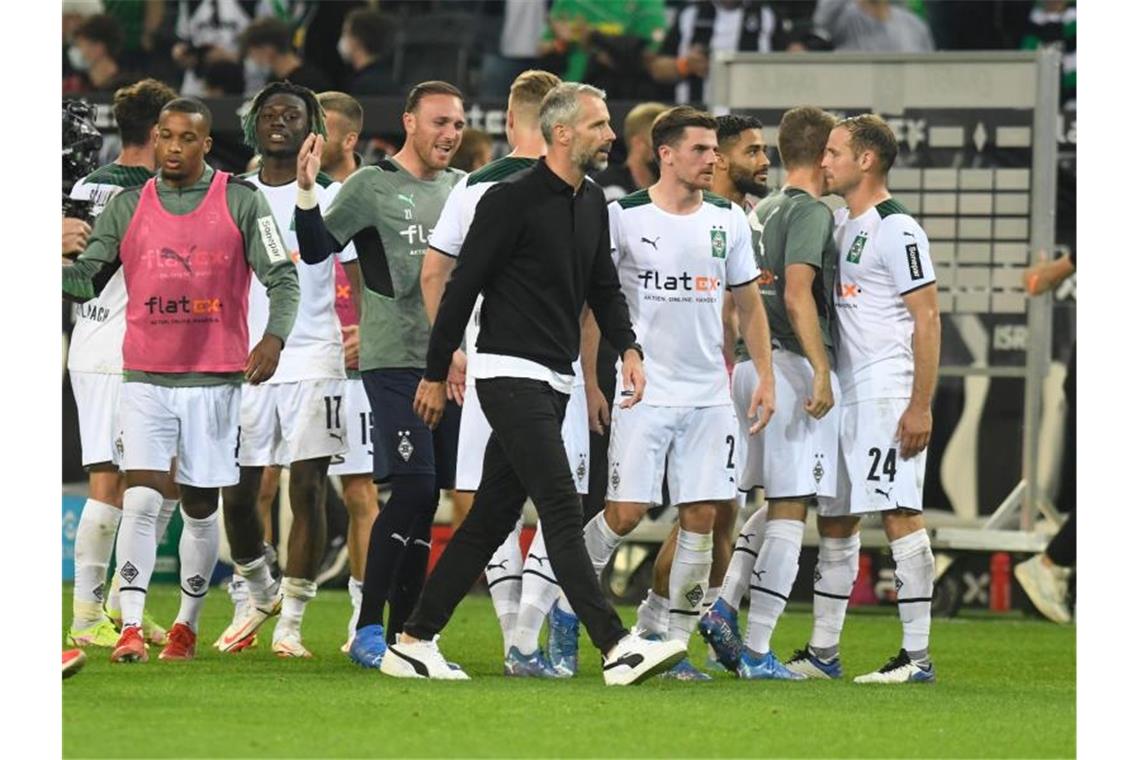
181,643
131,647
73,661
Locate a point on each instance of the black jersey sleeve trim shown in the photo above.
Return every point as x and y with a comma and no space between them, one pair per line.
746,282
918,287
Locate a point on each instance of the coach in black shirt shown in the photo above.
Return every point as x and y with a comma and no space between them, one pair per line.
539,250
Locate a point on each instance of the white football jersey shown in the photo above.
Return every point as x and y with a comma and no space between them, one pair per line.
100,324
674,271
883,255
314,349
451,230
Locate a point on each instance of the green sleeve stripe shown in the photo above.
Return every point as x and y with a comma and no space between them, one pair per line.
324,180
890,207
499,170
635,199
716,200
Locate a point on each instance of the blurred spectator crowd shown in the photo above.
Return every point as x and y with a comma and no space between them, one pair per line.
634,49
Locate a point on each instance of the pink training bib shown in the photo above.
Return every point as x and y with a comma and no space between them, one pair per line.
345,310
187,286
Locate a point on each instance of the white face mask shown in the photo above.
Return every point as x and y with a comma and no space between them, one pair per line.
76,59
343,49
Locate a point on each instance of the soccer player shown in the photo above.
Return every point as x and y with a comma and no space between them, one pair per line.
678,249
388,211
186,241
95,363
741,171
344,120
522,593
296,419
889,342
536,249
795,461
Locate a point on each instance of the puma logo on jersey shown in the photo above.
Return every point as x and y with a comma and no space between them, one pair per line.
408,199
538,559
497,565
886,494
337,436
652,242
170,253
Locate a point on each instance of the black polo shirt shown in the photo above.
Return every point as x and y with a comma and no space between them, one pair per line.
538,251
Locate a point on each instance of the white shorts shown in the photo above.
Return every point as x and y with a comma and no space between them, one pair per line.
475,431
872,476
698,443
198,426
795,456
97,399
283,423
358,417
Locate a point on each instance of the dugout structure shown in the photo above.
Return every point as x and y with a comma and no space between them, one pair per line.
977,167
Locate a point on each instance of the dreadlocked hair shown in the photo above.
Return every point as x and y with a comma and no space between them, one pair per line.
312,105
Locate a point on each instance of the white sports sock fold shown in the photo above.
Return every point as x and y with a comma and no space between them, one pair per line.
914,581
262,587
297,592
94,542
135,549
653,615
540,591
835,574
504,581
744,554
772,579
688,582
601,541
198,554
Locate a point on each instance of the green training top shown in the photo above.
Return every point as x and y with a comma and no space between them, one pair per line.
792,227
635,18
388,214
246,204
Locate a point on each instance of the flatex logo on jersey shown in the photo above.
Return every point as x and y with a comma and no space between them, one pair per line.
194,307
415,235
678,288
845,294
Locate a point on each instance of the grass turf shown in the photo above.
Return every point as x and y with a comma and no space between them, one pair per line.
1006,688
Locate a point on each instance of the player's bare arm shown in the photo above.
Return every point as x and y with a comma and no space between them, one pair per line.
916,422
758,339
262,361
801,308
597,410
1046,275
731,330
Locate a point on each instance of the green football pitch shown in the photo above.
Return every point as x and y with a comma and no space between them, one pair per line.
1006,688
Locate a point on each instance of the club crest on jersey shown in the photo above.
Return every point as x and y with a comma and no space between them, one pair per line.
855,252
719,242
405,448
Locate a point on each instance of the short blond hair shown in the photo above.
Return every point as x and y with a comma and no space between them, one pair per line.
527,92
640,119
345,105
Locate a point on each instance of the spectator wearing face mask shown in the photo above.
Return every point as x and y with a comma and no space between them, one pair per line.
366,45
94,51
268,46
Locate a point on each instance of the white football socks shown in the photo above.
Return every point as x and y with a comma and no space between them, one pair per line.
259,581
504,581
772,579
135,548
835,574
297,592
653,616
601,542
355,593
688,582
743,559
198,554
914,581
164,515
540,590
94,542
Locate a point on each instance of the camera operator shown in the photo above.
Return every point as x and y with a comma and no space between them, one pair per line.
95,357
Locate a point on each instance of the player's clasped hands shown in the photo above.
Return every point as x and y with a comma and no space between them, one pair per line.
431,398
914,431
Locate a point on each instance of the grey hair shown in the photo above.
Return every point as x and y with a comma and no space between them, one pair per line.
561,106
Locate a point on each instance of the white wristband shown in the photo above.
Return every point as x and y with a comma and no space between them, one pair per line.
307,199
